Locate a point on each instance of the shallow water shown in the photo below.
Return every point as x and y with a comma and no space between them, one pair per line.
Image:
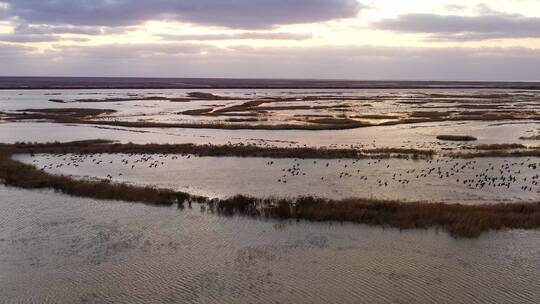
54,248
418,136
437,180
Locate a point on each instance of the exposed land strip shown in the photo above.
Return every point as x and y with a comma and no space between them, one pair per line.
233,150
252,150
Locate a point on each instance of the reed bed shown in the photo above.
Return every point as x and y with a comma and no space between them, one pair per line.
459,220
456,138
532,137
233,150
500,147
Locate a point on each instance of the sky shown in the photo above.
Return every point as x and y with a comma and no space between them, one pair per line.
322,39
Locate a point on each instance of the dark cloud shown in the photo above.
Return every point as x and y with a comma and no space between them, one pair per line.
352,62
23,33
229,13
28,38
461,28
238,36
24,29
17,38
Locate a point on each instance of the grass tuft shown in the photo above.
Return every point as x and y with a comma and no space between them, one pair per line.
456,138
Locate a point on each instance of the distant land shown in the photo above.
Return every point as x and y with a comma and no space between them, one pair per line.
17,83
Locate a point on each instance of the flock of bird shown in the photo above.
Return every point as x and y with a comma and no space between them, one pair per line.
480,174
406,144
474,174
130,160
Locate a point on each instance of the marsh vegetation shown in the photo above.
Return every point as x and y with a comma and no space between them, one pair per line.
456,137
240,150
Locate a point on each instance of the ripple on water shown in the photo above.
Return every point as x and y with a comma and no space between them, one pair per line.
55,248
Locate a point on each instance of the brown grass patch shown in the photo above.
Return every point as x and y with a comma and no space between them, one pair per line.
197,112
499,153
456,138
220,125
376,116
428,114
191,96
532,137
123,99
247,119
239,150
500,147
208,96
56,114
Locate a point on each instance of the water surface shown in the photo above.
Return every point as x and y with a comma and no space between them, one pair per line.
55,248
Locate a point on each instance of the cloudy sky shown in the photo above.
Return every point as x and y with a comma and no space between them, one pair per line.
345,39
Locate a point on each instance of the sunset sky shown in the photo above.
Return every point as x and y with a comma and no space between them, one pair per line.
343,39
